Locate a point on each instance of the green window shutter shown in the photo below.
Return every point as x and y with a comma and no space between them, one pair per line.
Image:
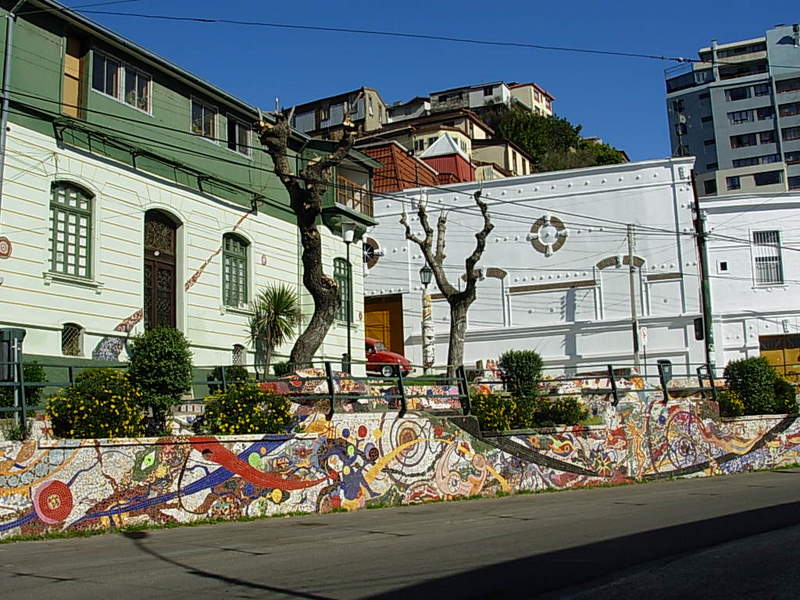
234,271
70,230
342,274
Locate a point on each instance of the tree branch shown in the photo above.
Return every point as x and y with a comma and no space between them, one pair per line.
480,243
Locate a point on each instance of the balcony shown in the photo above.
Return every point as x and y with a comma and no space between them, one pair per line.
353,195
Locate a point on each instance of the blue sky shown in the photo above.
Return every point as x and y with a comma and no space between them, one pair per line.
618,99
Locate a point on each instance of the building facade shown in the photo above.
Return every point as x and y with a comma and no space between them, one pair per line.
136,195
738,111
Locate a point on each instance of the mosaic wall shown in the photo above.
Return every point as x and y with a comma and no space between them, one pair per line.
359,459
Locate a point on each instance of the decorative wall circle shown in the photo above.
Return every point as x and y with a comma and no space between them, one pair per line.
548,234
5,247
372,252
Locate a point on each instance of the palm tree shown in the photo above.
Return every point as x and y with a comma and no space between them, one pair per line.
275,314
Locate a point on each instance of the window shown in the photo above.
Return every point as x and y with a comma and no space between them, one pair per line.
792,158
238,355
788,85
125,84
72,340
677,105
204,120
710,186
137,89
767,255
767,137
740,116
324,113
722,266
342,275
712,166
70,230
791,133
234,270
487,91
105,75
740,93
238,136
768,178
794,182
761,89
766,112
789,110
733,183
744,140
419,145
756,160
431,140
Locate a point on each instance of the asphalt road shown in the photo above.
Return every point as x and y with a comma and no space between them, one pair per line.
724,537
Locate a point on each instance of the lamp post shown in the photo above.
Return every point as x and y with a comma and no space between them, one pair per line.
428,347
348,235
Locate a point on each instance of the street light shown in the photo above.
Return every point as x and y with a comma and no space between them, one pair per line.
428,347
348,235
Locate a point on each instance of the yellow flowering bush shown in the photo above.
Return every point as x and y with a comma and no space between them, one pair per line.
495,412
102,403
246,408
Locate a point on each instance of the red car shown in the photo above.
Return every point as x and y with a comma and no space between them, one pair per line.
378,357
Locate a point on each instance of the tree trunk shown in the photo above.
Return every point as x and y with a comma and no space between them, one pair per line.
458,330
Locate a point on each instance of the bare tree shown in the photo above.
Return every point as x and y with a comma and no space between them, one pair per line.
459,300
306,189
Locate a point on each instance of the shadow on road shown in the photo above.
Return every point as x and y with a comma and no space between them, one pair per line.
539,574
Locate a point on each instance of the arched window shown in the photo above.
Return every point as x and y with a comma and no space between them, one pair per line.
234,270
70,230
342,274
72,340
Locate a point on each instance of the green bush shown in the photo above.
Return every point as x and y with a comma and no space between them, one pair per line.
245,408
32,373
730,403
232,374
522,372
562,410
282,368
754,380
161,365
495,412
785,396
102,403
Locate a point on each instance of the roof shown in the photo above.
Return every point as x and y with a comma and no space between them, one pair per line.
469,87
306,105
398,146
436,118
444,146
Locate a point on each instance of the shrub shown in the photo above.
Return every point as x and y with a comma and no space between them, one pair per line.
32,373
161,365
562,410
232,374
730,403
754,380
495,412
522,372
102,403
245,408
785,396
282,368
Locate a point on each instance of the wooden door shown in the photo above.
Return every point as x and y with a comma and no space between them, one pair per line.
377,326
383,320
159,270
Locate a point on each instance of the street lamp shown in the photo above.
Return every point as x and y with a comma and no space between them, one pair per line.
428,341
348,235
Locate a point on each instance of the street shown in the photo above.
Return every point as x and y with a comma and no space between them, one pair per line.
714,537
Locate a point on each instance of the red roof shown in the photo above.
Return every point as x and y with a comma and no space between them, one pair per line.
399,171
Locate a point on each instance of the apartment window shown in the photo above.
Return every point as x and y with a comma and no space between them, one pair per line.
740,93
767,137
792,158
204,120
710,142
794,182
740,116
137,89
744,140
234,270
768,178
762,89
769,158
745,162
788,85
105,75
238,136
324,113
72,340
789,110
765,112
431,140
733,183
487,91
712,166
70,230
710,186
419,145
342,274
791,133
767,255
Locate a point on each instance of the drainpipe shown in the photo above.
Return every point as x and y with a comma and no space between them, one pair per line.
11,19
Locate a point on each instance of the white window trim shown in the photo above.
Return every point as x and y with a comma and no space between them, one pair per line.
120,97
248,142
756,284
213,140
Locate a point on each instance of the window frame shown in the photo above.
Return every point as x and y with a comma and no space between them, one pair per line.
207,105
78,341
56,208
248,133
230,260
778,258
345,281
122,77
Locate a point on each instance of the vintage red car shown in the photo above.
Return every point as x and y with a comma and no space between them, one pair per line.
383,361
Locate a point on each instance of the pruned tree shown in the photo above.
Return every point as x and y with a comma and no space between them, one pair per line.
433,245
306,189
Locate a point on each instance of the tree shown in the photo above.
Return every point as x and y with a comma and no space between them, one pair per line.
306,189
275,314
458,299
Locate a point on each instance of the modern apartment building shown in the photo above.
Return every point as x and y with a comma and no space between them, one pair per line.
737,110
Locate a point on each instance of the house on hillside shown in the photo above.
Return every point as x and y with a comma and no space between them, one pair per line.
324,118
137,195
